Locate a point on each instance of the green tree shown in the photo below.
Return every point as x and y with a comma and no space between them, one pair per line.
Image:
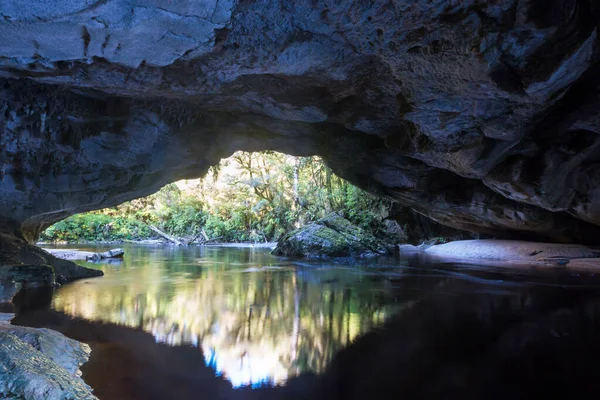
247,197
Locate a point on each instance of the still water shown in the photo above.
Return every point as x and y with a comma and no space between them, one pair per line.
257,319
169,322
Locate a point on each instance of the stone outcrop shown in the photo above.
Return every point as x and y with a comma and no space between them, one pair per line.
23,266
75,254
515,252
332,236
482,116
40,364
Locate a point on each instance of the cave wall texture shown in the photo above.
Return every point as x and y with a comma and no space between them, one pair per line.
481,115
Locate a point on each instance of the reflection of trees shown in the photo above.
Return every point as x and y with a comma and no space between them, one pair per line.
469,340
255,324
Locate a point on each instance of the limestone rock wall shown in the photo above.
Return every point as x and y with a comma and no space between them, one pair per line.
482,116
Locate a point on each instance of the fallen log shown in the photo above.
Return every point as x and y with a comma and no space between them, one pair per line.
212,240
202,232
206,238
181,241
114,253
170,238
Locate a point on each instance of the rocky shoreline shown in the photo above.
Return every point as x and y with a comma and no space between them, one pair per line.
23,265
334,237
39,363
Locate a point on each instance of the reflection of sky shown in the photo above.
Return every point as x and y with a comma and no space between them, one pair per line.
246,370
255,323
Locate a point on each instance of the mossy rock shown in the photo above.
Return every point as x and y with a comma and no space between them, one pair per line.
331,237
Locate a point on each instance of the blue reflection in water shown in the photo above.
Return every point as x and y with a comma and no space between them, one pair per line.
254,373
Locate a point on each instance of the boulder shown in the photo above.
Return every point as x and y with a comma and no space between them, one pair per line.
41,364
408,249
332,236
394,231
24,265
110,254
512,251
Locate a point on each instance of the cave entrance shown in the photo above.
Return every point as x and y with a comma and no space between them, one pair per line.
247,197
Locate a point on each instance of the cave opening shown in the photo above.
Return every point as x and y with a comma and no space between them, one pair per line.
247,197
412,209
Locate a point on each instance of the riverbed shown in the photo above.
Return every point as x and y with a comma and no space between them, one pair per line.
173,322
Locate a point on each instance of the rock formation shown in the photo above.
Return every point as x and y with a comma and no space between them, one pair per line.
482,116
40,364
514,252
25,266
332,236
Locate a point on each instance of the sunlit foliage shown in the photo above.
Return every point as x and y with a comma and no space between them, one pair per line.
247,197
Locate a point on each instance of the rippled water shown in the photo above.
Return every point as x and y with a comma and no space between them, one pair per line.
168,322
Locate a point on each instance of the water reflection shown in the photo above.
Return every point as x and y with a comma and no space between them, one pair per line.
464,342
257,320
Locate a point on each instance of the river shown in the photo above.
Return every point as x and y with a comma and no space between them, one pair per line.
217,322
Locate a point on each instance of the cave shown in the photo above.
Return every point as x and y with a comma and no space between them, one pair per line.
480,117
474,116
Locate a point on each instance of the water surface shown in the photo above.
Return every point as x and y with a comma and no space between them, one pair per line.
258,319
167,322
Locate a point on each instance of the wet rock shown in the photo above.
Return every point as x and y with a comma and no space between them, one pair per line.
394,231
332,236
23,265
28,275
41,364
68,353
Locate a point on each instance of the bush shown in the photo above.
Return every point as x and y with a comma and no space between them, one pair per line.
95,227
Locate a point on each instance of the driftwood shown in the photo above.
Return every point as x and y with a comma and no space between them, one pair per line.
206,238
204,235
114,253
180,241
212,240
170,238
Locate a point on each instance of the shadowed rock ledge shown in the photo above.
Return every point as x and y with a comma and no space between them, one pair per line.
481,116
23,265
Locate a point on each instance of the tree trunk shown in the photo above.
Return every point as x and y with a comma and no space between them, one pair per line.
296,195
201,233
172,239
206,238
114,253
